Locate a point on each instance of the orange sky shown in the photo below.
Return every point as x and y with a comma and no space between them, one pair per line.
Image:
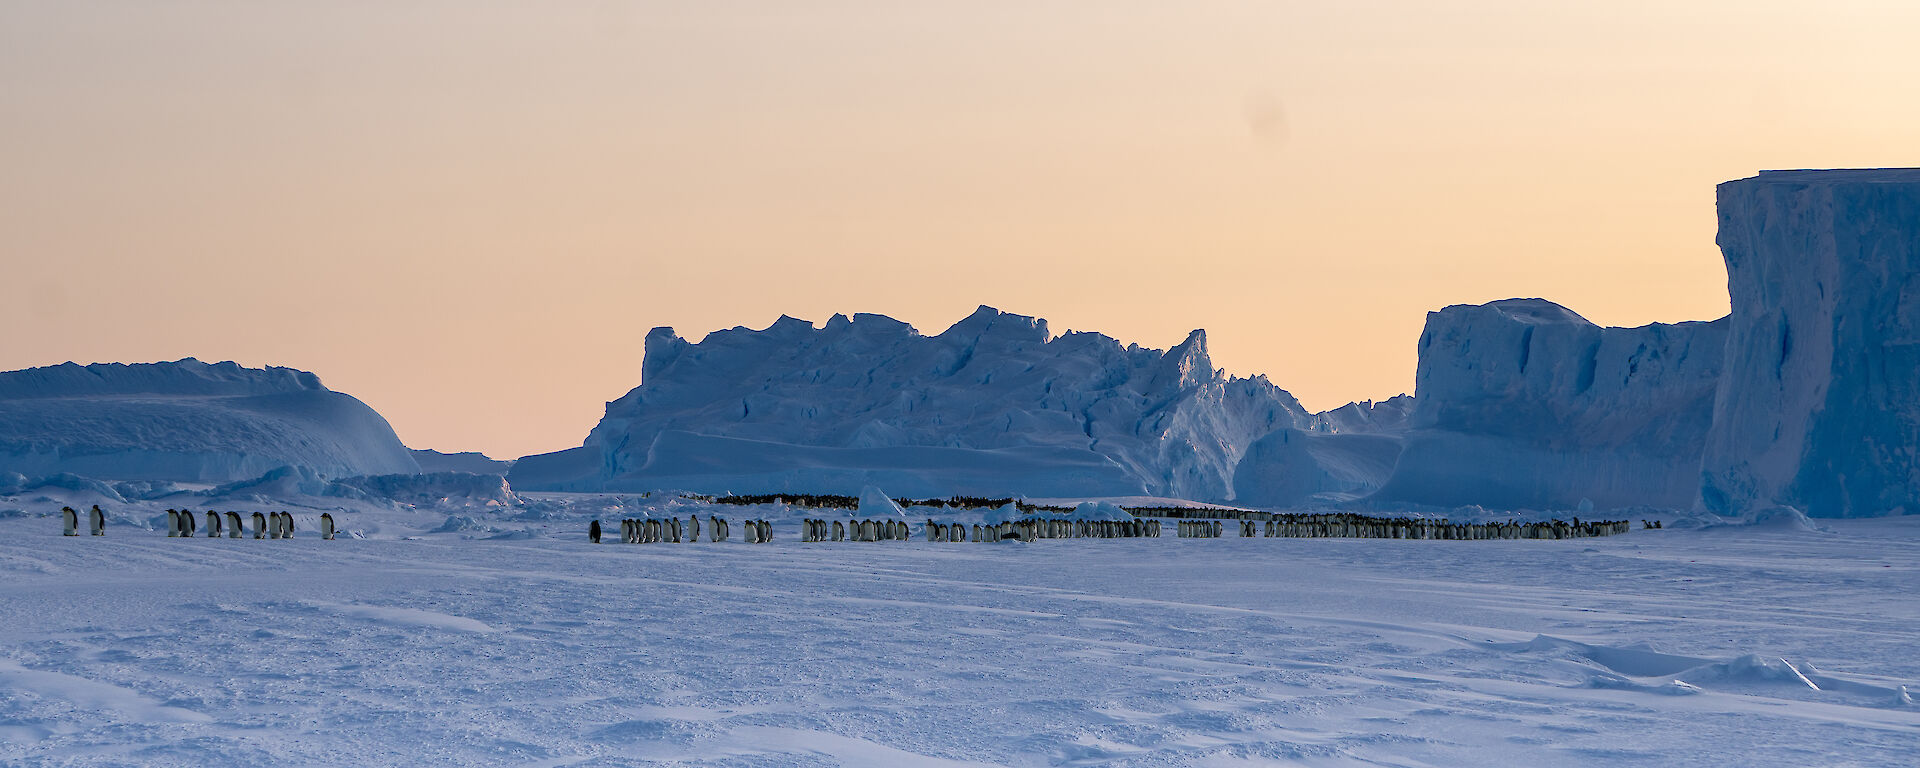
468,214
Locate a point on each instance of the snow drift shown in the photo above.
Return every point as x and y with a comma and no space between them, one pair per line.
187,421
993,406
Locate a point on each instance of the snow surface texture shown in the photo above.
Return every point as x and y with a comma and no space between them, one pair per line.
1727,646
1820,408
187,421
993,406
1524,404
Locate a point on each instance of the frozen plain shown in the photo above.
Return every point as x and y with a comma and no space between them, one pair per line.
539,649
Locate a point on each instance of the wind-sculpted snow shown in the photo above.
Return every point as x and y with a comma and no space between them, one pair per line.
1524,404
992,406
1820,408
187,421
506,642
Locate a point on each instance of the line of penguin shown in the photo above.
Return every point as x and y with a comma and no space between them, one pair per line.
1363,527
1029,529
181,524
652,530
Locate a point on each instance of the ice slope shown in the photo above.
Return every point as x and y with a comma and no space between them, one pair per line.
1343,454
1388,416
1820,407
1294,467
466,461
994,405
187,421
1524,404
1731,647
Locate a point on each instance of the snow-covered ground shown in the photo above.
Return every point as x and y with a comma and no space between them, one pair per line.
1731,646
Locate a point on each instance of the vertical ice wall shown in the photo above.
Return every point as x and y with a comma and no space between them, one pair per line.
1524,404
1820,404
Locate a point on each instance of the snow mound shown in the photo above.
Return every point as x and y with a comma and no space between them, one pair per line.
874,504
462,524
437,489
1099,510
993,406
187,421
1749,669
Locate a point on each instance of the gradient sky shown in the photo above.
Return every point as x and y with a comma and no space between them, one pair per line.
468,214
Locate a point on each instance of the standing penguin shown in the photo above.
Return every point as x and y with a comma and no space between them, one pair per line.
173,523
693,528
233,525
326,526
259,526
187,524
593,532
70,521
286,525
98,521
213,524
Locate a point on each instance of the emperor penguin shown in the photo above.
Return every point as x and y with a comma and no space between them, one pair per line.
326,528
766,531
97,520
186,524
233,525
259,526
286,525
70,520
839,531
213,524
693,529
593,530
173,523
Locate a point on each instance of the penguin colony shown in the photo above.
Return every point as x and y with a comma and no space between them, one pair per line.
183,524
279,525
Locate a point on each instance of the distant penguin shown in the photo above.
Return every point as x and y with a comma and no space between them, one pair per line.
326,527
233,525
173,523
593,532
213,524
70,521
97,520
259,525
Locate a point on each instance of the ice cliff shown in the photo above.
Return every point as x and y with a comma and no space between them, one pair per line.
1524,404
187,421
1820,406
993,405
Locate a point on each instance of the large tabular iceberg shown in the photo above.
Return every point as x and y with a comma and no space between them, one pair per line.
1524,404
1820,407
994,405
188,421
